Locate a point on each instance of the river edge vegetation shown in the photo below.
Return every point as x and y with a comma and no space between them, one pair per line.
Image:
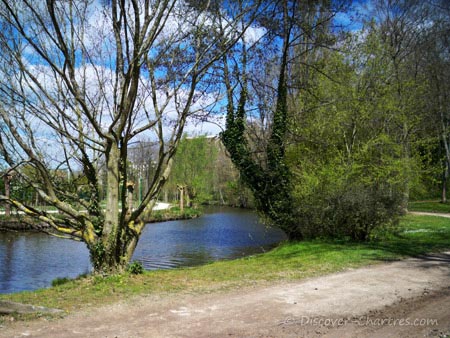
24,223
290,261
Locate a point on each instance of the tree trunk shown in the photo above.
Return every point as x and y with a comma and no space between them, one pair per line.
444,184
115,246
105,251
181,189
130,190
188,197
222,201
120,251
7,179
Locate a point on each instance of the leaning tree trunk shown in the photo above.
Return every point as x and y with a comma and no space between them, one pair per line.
270,182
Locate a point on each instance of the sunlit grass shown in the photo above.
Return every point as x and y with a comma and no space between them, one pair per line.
288,262
429,206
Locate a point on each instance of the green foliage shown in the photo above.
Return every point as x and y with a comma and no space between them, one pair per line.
429,206
202,166
350,171
97,254
237,194
353,212
347,164
173,213
135,268
193,167
430,159
342,199
60,281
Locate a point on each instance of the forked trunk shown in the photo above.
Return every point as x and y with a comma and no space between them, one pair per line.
112,249
119,252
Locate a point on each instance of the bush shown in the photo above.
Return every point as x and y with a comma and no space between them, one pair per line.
60,281
135,268
342,194
353,212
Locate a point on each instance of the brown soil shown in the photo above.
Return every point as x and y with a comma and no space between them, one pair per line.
409,298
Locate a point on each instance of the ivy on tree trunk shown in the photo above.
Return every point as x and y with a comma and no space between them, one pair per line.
270,183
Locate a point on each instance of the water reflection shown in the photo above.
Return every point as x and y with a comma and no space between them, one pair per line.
223,233
31,260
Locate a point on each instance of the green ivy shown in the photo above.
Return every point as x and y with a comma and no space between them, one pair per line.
270,184
135,268
97,255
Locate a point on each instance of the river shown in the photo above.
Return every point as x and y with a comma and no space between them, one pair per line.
29,261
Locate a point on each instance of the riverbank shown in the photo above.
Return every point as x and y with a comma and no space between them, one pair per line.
407,298
12,224
15,224
172,214
289,262
162,212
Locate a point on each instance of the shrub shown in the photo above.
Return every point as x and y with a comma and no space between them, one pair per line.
60,281
353,212
135,268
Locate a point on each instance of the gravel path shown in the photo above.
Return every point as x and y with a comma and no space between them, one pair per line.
409,298
439,214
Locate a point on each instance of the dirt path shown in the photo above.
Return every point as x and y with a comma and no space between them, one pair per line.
409,298
438,214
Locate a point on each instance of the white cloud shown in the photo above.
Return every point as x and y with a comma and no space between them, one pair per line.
213,125
254,34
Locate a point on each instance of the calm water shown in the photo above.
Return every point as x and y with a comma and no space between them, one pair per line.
29,261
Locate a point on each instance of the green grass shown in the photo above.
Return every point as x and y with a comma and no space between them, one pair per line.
288,262
429,206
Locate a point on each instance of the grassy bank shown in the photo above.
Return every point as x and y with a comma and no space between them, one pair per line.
173,213
429,206
290,261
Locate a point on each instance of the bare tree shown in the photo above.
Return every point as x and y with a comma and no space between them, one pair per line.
81,80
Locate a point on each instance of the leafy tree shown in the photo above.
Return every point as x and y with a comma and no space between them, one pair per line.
415,40
203,168
331,154
348,170
433,55
193,168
